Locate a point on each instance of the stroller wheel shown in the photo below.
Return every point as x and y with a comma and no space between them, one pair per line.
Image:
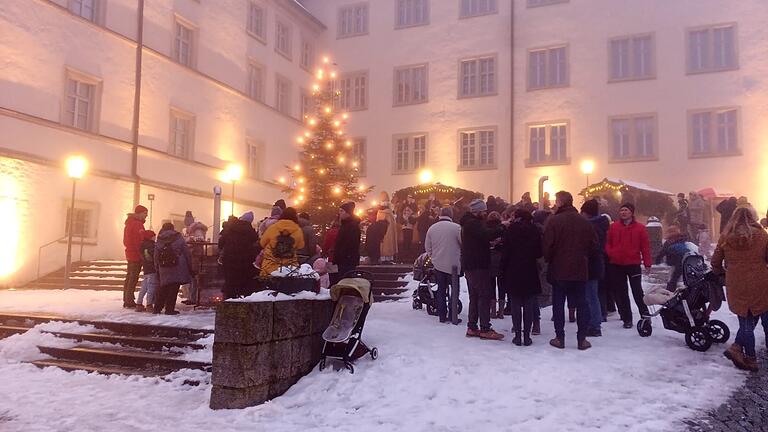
459,307
644,327
416,304
431,310
719,331
321,366
698,338
349,367
374,353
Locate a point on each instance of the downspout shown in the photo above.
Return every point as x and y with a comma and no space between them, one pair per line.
512,101
137,105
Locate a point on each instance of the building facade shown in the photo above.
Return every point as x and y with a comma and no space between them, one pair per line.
488,95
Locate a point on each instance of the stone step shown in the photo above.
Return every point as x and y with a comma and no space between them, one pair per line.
402,269
388,291
79,286
147,343
388,284
71,365
79,280
386,276
10,330
378,298
123,358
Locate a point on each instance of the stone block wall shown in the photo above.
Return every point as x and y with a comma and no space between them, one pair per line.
262,348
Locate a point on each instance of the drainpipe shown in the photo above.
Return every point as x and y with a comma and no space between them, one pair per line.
542,179
512,101
137,105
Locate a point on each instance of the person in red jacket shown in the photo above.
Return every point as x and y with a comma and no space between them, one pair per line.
133,235
627,247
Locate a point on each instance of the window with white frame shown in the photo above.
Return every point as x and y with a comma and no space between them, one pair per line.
471,8
359,155
184,43
537,3
632,57
353,20
253,149
477,77
412,13
548,143
633,137
712,49
714,132
307,59
81,102
548,67
182,134
85,222
305,102
354,91
257,21
410,153
256,80
410,85
477,148
282,94
283,38
88,9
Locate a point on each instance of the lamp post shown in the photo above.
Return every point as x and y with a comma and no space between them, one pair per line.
234,173
151,199
587,168
76,168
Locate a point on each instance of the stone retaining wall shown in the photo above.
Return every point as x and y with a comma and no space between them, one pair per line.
262,348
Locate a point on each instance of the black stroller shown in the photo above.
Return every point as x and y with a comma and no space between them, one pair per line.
424,294
342,341
687,310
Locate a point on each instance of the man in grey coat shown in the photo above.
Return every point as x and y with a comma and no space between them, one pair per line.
443,244
173,261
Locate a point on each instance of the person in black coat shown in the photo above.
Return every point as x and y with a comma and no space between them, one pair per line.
346,253
726,209
595,298
522,247
240,245
374,236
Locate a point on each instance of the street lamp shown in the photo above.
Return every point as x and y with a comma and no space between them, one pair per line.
425,176
233,174
151,199
76,168
587,168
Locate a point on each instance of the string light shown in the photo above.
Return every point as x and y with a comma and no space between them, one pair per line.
329,145
326,59
341,159
348,143
337,123
339,132
354,164
337,190
307,134
316,87
281,180
312,121
345,116
333,74
300,140
328,110
297,167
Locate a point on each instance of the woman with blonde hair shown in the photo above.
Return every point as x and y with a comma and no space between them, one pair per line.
741,254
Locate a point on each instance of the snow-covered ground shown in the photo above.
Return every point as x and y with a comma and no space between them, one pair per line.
429,377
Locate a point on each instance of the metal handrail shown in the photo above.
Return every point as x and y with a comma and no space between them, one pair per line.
40,252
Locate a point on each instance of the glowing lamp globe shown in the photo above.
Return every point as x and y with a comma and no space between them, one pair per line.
234,173
587,167
77,166
425,176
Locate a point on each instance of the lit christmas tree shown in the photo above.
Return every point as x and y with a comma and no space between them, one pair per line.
326,174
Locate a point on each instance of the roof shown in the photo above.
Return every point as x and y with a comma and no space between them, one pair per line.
637,185
296,4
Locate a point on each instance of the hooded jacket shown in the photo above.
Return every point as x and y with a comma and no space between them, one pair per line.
443,244
347,248
133,235
628,244
521,247
240,247
269,241
181,273
746,273
148,256
310,239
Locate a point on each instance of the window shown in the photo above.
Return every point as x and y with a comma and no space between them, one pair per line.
410,153
282,95
182,136
412,13
306,103
354,91
353,20
307,59
88,9
359,152
85,222
548,143
477,148
283,36
256,79
714,132
81,102
632,57
471,8
410,85
548,68
253,149
477,77
633,137
537,3
184,44
257,21
712,49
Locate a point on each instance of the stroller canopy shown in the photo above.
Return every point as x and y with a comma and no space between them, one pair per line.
359,285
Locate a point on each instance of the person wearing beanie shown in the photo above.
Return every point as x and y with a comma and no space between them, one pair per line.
133,235
627,247
569,242
239,246
280,204
247,216
149,283
591,211
173,262
282,242
443,245
374,235
346,251
274,216
476,264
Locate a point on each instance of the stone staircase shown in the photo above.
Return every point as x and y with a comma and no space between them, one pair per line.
114,348
387,284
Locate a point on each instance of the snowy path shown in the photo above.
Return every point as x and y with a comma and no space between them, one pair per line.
429,377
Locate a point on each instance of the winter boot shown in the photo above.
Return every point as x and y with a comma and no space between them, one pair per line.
500,313
750,363
490,334
584,345
473,332
536,330
527,340
735,354
140,308
149,308
517,339
557,343
571,314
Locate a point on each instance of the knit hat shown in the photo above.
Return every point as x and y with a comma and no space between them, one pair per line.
348,207
247,216
167,227
280,203
591,207
276,212
148,234
477,205
446,212
742,202
628,206
140,209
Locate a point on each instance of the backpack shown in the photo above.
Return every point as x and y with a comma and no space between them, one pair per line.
167,256
284,248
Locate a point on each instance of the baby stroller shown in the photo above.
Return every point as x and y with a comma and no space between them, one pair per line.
424,294
342,341
687,309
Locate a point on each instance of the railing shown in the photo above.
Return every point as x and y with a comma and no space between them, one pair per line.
40,250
